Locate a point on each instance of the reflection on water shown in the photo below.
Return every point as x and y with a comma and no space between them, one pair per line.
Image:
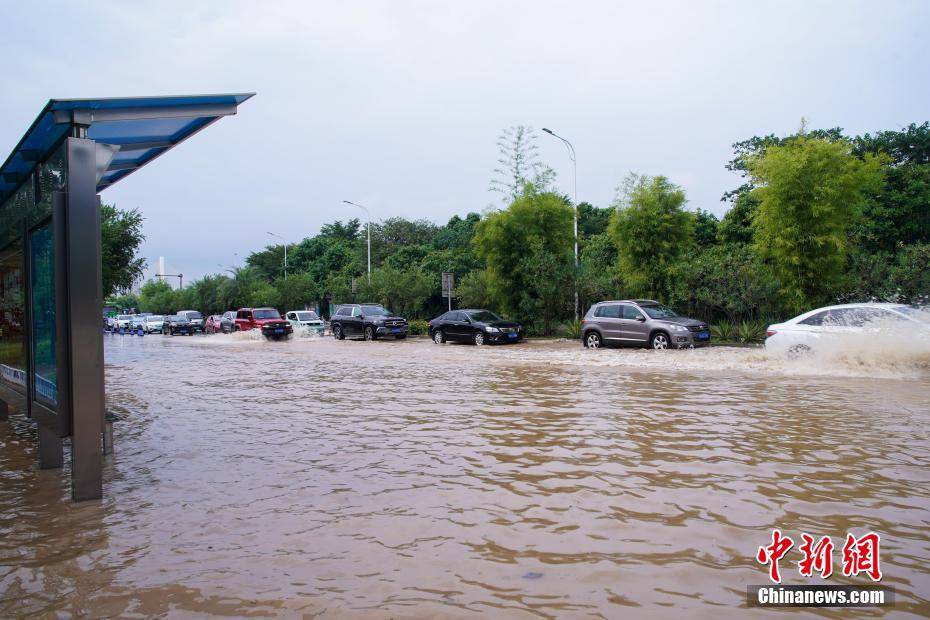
407,479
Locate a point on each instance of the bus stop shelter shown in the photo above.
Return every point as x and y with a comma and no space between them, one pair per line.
51,300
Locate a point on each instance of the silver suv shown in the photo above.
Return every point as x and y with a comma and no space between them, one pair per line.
643,323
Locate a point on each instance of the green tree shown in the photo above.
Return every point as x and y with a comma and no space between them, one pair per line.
519,165
728,281
736,225
158,297
705,228
810,193
651,231
598,278
528,252
473,290
120,239
899,211
592,220
402,290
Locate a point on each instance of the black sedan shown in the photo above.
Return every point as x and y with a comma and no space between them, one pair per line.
476,326
177,324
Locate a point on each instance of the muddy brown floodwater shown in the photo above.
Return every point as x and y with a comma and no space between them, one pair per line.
408,479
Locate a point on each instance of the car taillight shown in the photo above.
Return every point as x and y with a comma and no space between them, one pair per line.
770,332
583,321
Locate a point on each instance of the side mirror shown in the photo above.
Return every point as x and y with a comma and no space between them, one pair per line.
641,318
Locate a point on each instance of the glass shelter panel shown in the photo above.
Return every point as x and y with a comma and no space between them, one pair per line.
42,275
12,313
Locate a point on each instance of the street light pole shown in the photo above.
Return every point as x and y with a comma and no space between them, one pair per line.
285,251
368,215
571,155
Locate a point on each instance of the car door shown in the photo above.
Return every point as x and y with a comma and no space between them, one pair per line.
608,319
244,320
354,321
455,326
633,326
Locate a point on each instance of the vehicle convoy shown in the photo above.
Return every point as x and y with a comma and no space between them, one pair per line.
809,331
212,324
368,321
177,324
153,323
306,321
641,323
475,326
194,317
268,320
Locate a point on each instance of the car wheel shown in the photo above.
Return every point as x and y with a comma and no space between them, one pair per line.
797,351
337,332
439,337
479,338
659,341
369,333
592,340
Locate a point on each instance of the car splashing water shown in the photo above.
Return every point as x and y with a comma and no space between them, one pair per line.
409,479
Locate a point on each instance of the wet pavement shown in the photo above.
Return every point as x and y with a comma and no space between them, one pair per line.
408,479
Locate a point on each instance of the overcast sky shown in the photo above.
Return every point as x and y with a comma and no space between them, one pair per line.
398,105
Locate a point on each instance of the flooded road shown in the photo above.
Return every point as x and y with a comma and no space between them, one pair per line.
408,479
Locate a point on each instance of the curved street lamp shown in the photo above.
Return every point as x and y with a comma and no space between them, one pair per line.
571,155
285,251
368,215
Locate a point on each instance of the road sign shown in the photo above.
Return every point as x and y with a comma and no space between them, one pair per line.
448,285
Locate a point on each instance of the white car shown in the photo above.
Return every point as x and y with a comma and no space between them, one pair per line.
305,320
803,333
153,323
122,321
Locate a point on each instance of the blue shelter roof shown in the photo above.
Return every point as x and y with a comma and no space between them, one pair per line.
138,128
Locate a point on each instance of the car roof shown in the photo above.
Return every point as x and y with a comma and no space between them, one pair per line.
627,301
867,304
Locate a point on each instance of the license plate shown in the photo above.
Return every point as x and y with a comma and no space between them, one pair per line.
511,335
703,335
279,330
395,330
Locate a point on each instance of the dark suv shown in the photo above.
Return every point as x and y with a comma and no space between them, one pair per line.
368,321
641,322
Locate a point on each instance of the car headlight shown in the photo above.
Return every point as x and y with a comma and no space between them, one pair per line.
492,330
679,328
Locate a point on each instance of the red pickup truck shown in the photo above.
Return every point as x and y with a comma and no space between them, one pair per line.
266,319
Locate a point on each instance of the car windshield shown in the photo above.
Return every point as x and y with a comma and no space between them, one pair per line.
180,318
658,311
375,311
123,317
156,317
483,315
921,314
193,314
307,316
266,313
